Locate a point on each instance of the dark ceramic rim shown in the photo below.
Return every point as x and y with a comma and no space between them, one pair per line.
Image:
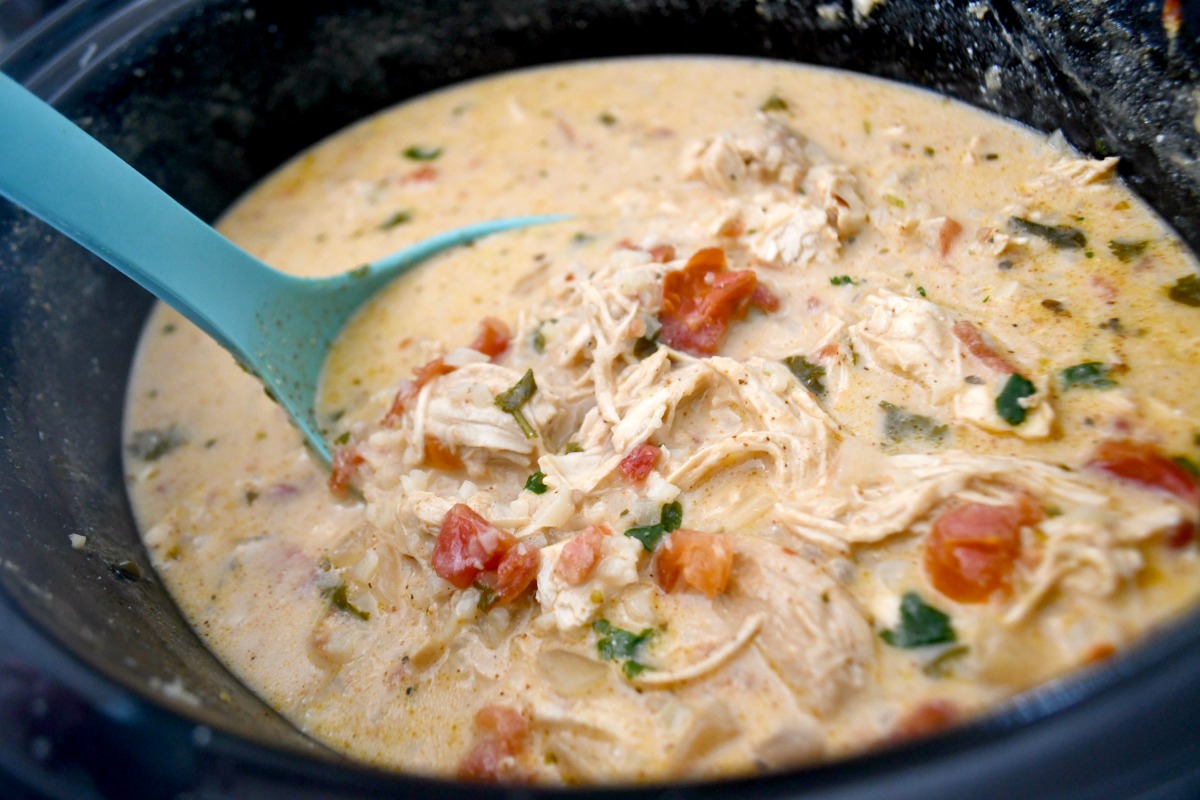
1007,752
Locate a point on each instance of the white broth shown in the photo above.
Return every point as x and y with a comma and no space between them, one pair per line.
837,413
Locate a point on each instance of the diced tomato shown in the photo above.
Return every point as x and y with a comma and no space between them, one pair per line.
422,174
500,734
970,553
468,544
700,560
439,456
640,461
977,346
662,253
764,299
517,571
493,338
949,231
701,300
929,717
1142,463
409,391
1182,534
346,461
580,555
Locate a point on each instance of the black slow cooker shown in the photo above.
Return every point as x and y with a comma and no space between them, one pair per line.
106,692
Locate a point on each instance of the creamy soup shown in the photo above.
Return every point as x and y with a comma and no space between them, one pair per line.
838,412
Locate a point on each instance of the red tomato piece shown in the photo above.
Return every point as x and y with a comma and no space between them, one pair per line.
1142,463
467,544
439,456
929,717
409,391
500,734
640,461
970,553
764,299
662,253
518,569
701,300
949,231
346,461
493,338
977,346
580,555
422,174
700,560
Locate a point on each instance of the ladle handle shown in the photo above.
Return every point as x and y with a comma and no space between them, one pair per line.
60,174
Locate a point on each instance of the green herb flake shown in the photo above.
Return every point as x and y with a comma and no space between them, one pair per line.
900,424
809,374
607,118
126,570
929,151
1088,375
920,625
1008,404
152,444
513,399
616,643
536,482
843,280
774,103
1128,251
539,341
921,291
343,439
399,218
1187,465
1186,290
487,596
1062,237
645,346
169,328
670,519
251,496
941,665
340,600
893,200
422,153
573,447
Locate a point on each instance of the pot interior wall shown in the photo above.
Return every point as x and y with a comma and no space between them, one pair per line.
206,97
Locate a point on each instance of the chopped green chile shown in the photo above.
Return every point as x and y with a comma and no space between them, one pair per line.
809,374
395,220
513,399
920,625
843,280
900,424
154,443
1008,404
340,600
1186,290
487,596
1063,237
774,103
1088,375
1127,251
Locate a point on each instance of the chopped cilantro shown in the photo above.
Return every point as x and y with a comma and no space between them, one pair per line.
152,444
1089,375
920,625
809,374
670,519
1186,290
343,439
536,482
1127,251
843,280
921,291
421,153
616,644
513,399
339,599
399,218
1008,404
646,346
1063,237
900,424
774,103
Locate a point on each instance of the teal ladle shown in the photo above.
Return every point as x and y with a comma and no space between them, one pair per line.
277,326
